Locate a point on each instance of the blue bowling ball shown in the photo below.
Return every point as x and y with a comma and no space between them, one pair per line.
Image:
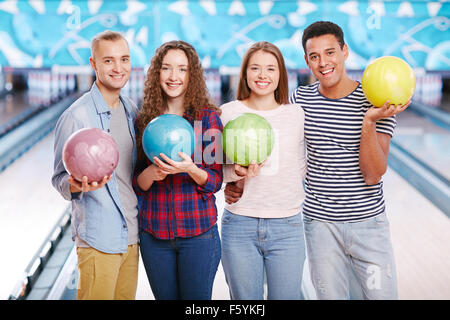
168,134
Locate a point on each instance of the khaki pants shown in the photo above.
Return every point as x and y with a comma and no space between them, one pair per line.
105,276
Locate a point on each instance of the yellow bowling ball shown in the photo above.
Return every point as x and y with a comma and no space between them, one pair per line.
388,78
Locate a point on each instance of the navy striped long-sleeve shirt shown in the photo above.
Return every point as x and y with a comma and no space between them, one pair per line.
334,185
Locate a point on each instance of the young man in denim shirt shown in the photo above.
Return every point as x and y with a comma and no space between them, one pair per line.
104,213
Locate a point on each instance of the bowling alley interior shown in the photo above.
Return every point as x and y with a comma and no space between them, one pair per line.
44,68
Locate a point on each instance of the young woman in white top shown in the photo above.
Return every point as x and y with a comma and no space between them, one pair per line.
262,233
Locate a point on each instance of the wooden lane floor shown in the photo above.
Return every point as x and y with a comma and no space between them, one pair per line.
29,208
421,239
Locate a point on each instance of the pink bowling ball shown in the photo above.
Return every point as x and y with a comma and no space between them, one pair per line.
90,152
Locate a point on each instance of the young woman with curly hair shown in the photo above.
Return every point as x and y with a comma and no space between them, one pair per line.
179,241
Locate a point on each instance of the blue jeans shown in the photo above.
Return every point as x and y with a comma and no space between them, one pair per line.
183,268
252,246
365,246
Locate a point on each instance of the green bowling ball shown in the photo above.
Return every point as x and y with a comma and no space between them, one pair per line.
246,138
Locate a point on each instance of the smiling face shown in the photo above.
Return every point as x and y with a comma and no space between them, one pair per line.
111,62
174,74
326,59
263,73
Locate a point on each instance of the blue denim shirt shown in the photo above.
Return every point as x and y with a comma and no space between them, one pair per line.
98,216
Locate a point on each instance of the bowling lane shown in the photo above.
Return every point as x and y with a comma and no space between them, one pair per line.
424,140
29,208
33,92
16,106
421,240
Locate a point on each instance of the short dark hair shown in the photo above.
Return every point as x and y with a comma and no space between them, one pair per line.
321,28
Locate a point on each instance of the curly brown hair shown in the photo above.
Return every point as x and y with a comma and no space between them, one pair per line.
154,103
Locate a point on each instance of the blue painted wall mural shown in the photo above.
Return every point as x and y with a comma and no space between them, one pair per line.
44,33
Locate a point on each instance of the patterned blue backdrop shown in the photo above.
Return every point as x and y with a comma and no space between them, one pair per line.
44,33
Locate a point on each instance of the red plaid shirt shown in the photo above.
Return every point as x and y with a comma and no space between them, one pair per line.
177,206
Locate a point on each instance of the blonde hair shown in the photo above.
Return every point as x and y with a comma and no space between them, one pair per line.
107,35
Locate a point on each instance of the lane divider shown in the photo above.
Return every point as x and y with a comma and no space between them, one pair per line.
19,140
431,184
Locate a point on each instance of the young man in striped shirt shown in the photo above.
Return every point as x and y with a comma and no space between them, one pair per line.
347,149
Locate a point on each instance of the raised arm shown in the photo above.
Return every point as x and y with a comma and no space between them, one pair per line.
374,146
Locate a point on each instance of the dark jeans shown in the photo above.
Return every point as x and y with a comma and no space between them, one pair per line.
183,268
